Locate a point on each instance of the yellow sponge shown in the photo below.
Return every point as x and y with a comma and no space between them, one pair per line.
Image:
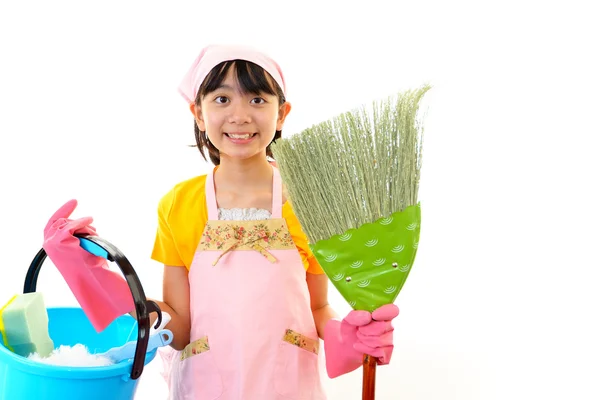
24,325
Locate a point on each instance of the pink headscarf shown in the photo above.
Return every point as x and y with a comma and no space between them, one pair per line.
213,55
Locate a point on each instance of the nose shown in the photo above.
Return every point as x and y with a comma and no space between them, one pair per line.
239,113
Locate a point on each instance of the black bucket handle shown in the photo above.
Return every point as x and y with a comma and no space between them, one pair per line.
143,307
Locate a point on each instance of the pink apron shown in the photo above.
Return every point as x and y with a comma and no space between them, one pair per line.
253,335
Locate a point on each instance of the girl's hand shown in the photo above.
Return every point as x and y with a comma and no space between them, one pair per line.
359,333
376,337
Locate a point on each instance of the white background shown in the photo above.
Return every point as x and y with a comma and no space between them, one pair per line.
502,302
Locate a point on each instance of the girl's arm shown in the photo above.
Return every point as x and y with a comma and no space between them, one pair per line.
176,302
322,311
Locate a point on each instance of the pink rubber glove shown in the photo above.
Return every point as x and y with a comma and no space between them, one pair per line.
347,341
102,294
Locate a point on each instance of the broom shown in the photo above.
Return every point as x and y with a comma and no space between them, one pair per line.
353,183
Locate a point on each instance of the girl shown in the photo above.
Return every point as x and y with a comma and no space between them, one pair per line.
247,299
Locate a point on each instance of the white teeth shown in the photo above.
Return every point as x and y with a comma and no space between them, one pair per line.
246,136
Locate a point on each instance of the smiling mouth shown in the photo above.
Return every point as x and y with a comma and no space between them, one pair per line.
240,136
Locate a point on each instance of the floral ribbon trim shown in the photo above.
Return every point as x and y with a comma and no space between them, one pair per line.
196,347
260,236
302,341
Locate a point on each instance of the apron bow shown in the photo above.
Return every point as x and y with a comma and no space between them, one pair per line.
253,242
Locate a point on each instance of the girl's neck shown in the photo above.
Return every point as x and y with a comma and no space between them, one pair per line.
235,175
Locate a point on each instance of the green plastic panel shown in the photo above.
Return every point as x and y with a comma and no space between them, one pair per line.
369,265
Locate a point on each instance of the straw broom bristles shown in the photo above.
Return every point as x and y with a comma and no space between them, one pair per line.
355,168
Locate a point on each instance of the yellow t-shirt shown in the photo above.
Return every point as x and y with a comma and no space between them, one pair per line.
182,215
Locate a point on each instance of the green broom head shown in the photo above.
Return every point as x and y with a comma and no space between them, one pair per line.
353,183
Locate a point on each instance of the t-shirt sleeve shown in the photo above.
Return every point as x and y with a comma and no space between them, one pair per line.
165,250
310,262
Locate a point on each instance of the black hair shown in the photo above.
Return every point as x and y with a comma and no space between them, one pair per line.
252,79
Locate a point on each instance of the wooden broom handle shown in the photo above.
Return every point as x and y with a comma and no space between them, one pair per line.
369,364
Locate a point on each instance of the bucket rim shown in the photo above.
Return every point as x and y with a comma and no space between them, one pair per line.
60,371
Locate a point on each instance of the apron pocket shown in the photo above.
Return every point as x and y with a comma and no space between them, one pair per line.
199,377
296,366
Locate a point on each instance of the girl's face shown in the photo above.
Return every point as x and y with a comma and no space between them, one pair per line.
240,125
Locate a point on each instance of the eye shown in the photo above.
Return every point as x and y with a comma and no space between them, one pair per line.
221,99
258,100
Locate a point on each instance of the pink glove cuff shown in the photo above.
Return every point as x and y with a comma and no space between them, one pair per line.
340,356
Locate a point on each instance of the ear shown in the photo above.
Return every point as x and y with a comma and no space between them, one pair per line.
197,112
284,110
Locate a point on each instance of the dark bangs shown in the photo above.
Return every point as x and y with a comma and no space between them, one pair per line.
251,77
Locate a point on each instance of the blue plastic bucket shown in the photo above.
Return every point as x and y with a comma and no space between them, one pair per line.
23,379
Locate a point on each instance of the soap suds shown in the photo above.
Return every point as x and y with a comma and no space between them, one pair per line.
76,356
